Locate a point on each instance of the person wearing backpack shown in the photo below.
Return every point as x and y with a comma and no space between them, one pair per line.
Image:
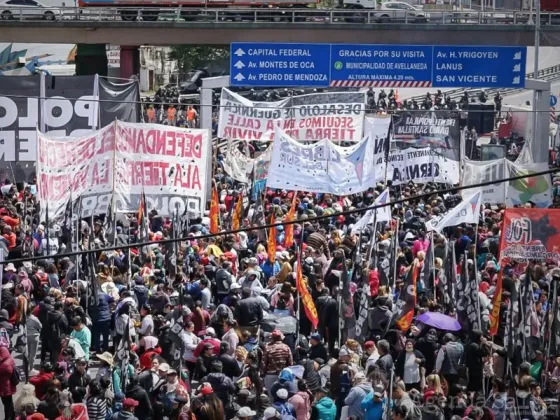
8,382
281,404
341,379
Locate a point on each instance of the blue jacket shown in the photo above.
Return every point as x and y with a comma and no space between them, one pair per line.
373,410
103,310
326,410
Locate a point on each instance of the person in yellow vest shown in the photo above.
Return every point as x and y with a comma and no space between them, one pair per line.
191,116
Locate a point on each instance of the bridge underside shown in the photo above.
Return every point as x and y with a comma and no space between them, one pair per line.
171,33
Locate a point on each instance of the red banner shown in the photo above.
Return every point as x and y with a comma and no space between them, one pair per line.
271,248
306,299
236,218
289,229
527,235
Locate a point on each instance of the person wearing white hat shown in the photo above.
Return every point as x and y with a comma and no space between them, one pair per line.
245,413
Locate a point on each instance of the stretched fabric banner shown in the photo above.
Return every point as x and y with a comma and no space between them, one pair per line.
169,164
338,116
68,106
237,165
323,167
479,172
421,166
260,172
434,129
467,211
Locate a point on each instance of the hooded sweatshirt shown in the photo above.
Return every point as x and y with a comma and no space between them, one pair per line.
325,409
355,397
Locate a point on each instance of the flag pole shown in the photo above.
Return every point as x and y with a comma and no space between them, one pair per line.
396,240
433,265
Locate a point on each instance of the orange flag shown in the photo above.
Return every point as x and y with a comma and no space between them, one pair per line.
306,299
214,211
236,217
289,229
408,298
271,248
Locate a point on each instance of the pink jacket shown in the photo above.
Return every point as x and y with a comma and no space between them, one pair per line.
302,404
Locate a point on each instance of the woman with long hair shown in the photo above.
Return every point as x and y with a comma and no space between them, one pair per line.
208,407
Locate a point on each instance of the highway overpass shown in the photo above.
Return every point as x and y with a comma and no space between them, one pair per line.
97,27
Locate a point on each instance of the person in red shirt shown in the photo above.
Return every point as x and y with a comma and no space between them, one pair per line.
42,380
5,215
10,237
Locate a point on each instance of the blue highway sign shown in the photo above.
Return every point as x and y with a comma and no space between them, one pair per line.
279,64
553,100
357,65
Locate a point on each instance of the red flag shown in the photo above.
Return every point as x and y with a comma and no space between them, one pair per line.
407,298
289,229
214,212
236,216
306,299
271,248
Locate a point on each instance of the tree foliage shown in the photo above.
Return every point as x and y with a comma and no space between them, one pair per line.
191,57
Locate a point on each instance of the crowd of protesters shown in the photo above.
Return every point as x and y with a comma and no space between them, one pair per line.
203,330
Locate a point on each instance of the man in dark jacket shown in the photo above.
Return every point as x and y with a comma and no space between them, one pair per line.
44,308
101,321
57,326
248,311
317,349
329,316
230,366
221,384
79,381
224,279
385,361
380,317
140,291
136,392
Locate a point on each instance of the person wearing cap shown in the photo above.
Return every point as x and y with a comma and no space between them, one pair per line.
204,361
245,413
323,407
360,389
271,413
282,405
170,390
79,380
373,405
277,356
129,408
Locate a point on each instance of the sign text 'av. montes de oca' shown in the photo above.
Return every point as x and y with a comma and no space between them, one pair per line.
357,65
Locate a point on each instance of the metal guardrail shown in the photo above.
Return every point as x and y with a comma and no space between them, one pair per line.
548,74
276,15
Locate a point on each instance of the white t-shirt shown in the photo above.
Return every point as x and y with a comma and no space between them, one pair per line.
53,246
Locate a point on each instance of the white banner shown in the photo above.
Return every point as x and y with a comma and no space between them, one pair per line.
322,167
169,164
337,116
478,172
420,166
467,211
383,214
75,166
236,164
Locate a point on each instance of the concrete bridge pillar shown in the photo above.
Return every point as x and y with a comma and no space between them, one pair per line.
130,61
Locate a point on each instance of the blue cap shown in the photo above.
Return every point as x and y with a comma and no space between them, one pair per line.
315,336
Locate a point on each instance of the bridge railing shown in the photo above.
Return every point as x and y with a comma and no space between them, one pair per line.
277,15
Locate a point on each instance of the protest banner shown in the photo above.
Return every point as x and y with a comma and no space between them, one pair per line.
169,164
78,167
321,167
260,172
337,116
433,129
420,166
479,172
62,106
236,164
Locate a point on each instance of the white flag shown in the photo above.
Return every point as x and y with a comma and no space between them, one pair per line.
468,211
383,214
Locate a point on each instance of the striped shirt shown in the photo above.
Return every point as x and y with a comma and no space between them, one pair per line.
277,356
97,408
